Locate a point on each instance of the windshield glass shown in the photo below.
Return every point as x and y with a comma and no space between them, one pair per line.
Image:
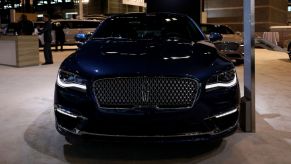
149,27
207,29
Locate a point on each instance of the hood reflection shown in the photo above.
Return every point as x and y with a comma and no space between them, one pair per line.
176,57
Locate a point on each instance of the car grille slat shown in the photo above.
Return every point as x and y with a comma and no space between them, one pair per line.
157,92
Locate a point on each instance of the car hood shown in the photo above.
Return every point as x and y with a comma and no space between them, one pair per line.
117,58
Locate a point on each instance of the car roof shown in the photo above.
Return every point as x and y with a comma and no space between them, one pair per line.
213,25
68,20
148,14
73,20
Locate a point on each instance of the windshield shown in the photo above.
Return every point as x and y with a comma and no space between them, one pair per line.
149,27
207,29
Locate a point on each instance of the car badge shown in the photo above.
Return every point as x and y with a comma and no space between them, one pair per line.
145,92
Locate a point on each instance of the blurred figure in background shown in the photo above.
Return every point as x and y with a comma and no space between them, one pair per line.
25,26
47,29
60,35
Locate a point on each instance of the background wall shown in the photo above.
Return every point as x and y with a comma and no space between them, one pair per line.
116,6
190,7
230,12
101,7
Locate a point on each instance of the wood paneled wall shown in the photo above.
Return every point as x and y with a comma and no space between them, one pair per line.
116,7
230,12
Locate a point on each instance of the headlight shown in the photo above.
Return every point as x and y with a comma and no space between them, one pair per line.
70,80
225,79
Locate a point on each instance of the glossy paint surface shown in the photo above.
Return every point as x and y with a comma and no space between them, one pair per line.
111,57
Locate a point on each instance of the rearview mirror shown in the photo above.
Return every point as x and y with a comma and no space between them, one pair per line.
81,37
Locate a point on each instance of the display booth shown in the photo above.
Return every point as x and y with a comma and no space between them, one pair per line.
19,51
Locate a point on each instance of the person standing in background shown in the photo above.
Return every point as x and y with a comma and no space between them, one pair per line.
60,35
46,31
25,26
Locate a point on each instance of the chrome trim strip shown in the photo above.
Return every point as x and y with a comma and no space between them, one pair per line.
75,131
65,113
62,111
226,113
79,132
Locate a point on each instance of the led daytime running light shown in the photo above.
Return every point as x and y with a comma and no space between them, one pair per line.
229,84
227,113
69,85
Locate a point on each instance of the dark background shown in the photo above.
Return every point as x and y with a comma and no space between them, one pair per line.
190,7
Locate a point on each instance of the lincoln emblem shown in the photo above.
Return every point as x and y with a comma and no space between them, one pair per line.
145,92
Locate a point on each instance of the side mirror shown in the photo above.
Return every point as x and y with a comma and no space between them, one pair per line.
215,36
81,37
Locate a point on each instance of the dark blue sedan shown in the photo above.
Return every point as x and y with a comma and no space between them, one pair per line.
147,77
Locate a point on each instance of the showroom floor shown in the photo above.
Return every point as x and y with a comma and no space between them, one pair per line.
28,134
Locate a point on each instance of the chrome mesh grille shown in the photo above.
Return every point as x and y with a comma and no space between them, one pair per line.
226,46
157,92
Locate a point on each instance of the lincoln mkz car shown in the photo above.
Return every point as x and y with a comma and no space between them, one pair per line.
231,44
147,77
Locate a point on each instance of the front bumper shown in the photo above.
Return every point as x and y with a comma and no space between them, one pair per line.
77,114
187,137
216,127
